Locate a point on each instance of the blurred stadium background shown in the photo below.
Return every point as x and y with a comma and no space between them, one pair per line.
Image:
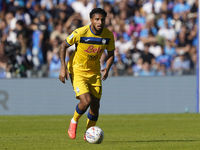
156,67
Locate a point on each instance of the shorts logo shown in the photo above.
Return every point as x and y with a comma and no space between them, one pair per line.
77,89
71,36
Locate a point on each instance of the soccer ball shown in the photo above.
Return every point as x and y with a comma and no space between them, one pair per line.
94,135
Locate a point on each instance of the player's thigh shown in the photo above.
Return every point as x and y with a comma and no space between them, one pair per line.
96,91
94,105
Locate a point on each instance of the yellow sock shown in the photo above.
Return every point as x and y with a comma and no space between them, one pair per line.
77,114
90,123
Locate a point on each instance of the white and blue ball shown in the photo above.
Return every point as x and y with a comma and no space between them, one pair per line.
94,135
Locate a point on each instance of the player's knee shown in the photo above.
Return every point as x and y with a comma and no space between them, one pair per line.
85,100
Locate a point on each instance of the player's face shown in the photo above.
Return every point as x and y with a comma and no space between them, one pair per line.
97,23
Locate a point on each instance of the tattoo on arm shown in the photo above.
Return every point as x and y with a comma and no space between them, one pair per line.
62,53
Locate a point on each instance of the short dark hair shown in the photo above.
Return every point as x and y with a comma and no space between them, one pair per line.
20,22
147,44
98,11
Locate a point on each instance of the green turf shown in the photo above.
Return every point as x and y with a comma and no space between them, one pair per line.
122,132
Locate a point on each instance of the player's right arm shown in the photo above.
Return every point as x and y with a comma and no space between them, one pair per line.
70,40
62,52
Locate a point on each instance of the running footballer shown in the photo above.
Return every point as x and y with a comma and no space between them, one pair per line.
84,66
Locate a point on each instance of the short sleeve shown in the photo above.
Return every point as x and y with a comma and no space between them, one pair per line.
111,45
72,38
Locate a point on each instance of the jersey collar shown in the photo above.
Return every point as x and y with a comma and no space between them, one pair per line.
93,32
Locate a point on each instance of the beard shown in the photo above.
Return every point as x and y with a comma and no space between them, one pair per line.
97,31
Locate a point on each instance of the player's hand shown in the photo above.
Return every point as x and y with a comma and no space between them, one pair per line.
63,75
105,74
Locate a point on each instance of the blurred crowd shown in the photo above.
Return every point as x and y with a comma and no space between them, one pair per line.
152,37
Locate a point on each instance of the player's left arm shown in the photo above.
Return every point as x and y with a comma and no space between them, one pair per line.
109,63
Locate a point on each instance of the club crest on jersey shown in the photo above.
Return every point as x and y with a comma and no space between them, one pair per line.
103,41
71,36
91,49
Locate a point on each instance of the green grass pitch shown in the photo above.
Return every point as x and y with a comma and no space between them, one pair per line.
122,132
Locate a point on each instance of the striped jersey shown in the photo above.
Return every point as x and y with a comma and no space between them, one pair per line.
89,48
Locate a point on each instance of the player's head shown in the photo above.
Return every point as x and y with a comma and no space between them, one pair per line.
97,18
98,11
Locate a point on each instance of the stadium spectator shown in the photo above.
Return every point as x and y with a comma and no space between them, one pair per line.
146,34
58,32
37,54
83,7
193,63
12,5
22,35
146,55
194,10
181,65
22,15
47,5
155,49
193,36
53,59
162,70
157,6
167,7
120,65
58,13
137,67
124,27
129,63
166,28
146,70
3,61
3,30
180,9
148,7
122,46
183,45
11,24
169,49
135,42
164,59
33,8
73,22
135,49
138,18
2,8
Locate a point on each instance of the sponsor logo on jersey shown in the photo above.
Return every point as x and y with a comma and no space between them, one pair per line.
91,49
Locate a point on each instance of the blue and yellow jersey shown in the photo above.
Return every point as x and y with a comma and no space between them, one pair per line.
89,48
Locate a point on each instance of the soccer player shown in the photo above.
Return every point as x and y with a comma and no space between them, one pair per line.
84,66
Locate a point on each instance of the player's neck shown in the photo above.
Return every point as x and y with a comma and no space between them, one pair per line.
94,31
